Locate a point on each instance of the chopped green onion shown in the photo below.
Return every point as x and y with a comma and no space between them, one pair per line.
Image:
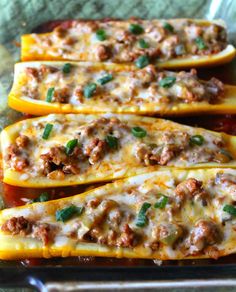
136,28
226,153
138,132
196,140
47,131
142,61
200,43
162,202
44,197
66,68
90,89
105,79
167,81
230,209
112,141
143,44
68,212
142,218
168,27
101,35
71,145
50,94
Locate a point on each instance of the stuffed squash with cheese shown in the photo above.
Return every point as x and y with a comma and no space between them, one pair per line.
60,150
166,215
170,43
58,87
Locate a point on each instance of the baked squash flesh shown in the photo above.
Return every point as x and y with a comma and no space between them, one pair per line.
60,150
58,87
170,43
166,215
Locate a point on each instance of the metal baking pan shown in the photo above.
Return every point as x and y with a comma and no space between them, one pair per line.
89,274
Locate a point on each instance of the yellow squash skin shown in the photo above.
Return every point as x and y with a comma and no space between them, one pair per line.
19,247
225,56
108,168
227,105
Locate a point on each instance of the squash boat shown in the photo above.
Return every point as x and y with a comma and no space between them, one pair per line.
167,43
58,87
166,215
60,150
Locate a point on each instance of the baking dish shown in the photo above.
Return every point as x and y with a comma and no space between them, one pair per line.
142,273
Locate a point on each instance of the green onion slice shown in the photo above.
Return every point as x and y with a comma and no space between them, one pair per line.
112,141
142,218
50,94
47,131
136,28
200,43
68,212
142,61
162,202
90,89
230,209
168,27
44,197
196,140
71,145
66,68
101,35
139,132
143,44
105,79
167,82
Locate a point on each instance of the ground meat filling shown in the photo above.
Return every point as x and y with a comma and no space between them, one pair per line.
165,234
42,232
189,88
57,160
17,155
191,189
114,221
22,226
119,232
90,149
186,87
17,225
205,233
96,150
227,180
165,39
172,145
61,95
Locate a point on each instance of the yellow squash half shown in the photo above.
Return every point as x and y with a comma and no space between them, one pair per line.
118,89
60,150
165,215
198,42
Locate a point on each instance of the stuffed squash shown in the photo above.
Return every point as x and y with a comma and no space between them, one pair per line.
166,215
168,43
60,150
58,87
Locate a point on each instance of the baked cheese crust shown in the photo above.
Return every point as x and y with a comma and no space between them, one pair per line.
166,215
60,150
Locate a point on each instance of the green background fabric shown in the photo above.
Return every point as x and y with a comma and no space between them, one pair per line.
21,16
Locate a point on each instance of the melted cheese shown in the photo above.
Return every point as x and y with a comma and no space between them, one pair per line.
130,91
127,197
166,142
79,42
